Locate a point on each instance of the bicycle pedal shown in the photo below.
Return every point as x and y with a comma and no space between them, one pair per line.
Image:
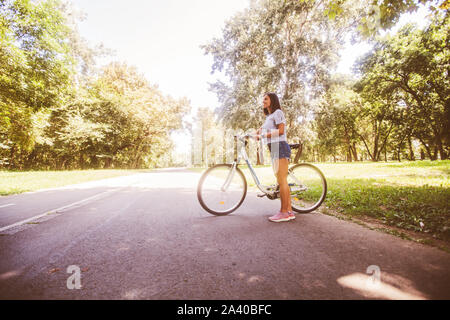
261,195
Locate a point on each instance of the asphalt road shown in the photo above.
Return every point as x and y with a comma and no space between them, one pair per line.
145,236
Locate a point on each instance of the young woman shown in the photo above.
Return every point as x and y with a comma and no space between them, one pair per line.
274,131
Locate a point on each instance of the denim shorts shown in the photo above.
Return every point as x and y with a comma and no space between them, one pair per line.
284,151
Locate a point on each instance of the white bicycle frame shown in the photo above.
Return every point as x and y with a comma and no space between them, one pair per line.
242,153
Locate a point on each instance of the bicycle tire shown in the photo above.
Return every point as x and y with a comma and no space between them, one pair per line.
199,190
324,192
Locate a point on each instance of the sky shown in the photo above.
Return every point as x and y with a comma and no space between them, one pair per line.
162,39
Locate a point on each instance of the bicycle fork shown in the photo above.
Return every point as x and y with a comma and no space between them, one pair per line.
229,178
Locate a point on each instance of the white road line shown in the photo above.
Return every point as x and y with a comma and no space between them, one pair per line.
7,205
54,210
77,185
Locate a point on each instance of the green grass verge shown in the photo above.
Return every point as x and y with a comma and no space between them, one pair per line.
13,182
409,195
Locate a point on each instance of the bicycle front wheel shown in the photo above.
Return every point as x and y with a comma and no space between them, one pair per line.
222,189
308,187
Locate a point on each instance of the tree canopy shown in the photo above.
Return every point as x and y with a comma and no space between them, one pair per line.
396,102
58,110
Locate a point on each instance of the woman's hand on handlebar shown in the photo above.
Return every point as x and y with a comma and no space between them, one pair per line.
258,134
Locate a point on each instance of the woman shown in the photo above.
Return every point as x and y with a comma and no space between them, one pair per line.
274,130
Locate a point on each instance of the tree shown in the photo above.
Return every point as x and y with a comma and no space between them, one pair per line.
57,110
35,66
336,122
377,15
120,121
410,69
288,47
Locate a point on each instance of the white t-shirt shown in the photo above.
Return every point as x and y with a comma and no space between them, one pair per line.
272,120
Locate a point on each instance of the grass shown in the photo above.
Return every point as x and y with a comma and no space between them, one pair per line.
409,195
13,182
412,196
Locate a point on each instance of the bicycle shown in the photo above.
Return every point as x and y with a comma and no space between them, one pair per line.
222,188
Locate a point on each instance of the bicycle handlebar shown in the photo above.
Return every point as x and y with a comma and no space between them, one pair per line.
254,136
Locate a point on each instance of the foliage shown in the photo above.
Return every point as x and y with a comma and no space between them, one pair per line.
399,96
409,72
336,121
57,110
377,15
288,47
399,100
35,68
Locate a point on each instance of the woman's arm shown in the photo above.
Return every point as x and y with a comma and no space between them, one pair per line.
280,121
275,133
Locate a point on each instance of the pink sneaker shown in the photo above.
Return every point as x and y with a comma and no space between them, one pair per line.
280,217
291,215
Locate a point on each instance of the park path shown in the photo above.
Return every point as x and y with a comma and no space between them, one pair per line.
145,236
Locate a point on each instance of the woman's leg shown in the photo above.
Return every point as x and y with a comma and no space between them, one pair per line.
280,167
285,193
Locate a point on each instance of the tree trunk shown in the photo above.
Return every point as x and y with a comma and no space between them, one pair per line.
12,153
81,161
299,153
427,149
235,151
411,151
108,163
355,154
367,148
440,147
376,155
349,154
30,159
138,154
435,154
258,160
203,145
193,151
64,163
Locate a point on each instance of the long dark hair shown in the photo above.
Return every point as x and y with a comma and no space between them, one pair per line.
274,103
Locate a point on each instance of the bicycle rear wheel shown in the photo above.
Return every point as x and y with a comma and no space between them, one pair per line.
308,187
222,190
